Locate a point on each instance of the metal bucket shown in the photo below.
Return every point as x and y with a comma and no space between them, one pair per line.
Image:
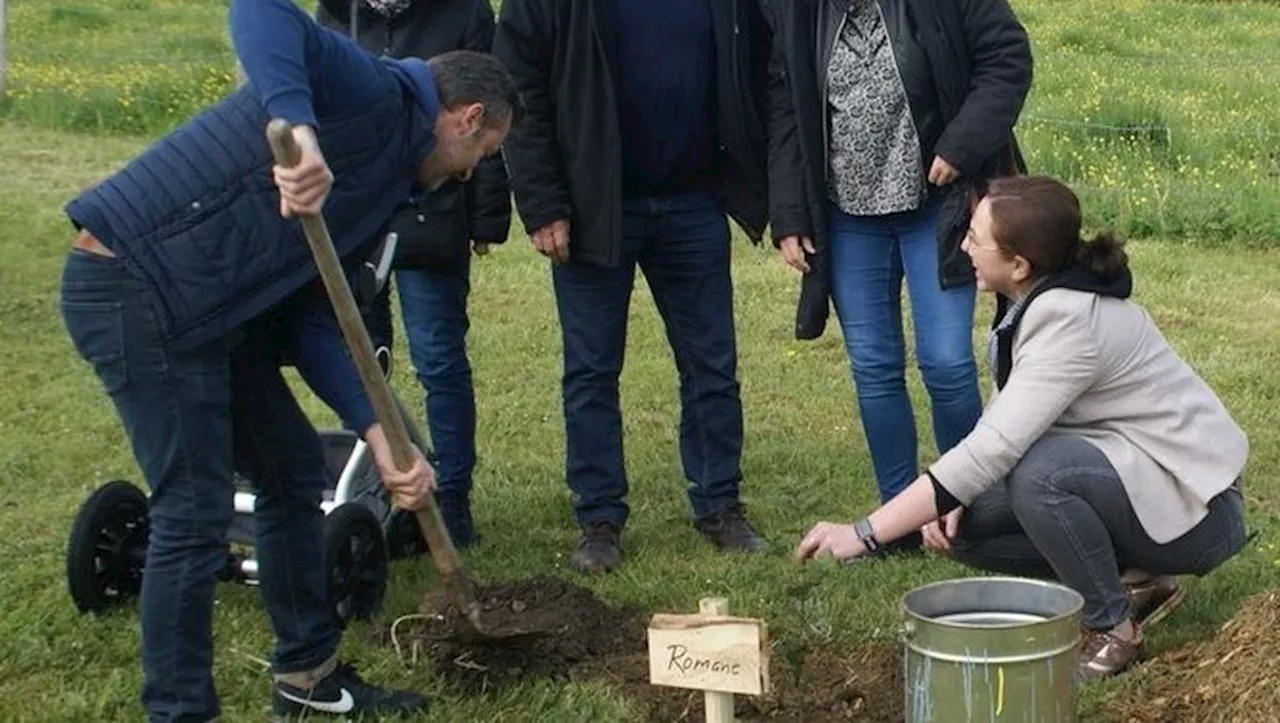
991,649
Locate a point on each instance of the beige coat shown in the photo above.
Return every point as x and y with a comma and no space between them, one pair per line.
1099,368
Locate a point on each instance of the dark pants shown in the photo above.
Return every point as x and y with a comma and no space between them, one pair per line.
433,304
1063,513
188,430
681,244
434,308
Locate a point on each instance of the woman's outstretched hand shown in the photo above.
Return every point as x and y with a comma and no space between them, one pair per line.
839,540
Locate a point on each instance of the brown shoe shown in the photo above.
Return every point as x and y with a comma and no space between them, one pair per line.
730,530
1103,654
599,548
1154,599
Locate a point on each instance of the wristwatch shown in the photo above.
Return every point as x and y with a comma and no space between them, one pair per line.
868,537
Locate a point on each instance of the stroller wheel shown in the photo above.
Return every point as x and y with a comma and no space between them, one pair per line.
355,562
108,547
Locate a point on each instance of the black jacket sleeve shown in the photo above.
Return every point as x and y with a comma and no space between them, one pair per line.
488,195
1000,70
788,210
523,42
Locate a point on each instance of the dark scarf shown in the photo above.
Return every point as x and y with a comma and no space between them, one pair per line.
388,8
1074,276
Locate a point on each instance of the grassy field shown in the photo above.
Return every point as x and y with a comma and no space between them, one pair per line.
1192,171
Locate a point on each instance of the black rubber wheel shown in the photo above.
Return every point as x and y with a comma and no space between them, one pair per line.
355,562
108,547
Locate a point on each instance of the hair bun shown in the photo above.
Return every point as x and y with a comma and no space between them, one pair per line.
1104,255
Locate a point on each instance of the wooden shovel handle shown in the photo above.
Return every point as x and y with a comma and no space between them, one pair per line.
287,154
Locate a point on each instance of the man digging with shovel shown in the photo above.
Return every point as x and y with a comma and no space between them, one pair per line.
179,258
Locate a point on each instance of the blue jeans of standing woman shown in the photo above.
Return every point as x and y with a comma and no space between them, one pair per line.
870,258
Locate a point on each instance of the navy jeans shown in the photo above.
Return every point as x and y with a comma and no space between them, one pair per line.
870,256
188,431
434,307
681,243
1063,513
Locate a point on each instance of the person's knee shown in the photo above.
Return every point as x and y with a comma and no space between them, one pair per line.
593,357
442,365
710,359
946,360
1054,467
878,364
1031,484
187,532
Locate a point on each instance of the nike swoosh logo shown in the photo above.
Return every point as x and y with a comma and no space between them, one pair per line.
344,704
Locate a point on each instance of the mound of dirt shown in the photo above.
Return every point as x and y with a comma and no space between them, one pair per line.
592,641
1234,676
578,627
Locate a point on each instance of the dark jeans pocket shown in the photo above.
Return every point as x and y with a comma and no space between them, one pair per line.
97,331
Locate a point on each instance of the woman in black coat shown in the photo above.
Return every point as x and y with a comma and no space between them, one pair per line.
437,234
885,119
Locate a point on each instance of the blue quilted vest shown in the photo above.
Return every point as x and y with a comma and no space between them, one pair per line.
197,215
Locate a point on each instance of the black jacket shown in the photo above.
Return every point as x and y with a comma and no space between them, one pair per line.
967,68
565,159
425,29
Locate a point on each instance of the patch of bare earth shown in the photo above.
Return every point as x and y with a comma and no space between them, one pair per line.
590,641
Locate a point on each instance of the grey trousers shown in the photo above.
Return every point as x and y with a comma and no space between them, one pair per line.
1063,514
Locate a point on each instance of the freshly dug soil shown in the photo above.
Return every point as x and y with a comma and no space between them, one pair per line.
578,627
1234,676
591,641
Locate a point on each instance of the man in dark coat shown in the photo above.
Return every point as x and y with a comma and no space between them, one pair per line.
437,233
179,259
644,129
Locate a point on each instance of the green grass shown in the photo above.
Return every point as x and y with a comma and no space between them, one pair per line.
805,460
1161,113
92,80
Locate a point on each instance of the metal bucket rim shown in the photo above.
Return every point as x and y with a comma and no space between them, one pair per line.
1077,602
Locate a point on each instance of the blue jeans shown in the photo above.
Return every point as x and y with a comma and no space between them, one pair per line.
193,416
681,243
1063,513
434,307
870,256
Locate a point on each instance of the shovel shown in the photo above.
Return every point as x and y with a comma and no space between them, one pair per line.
459,585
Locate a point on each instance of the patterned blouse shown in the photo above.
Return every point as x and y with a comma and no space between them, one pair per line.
874,157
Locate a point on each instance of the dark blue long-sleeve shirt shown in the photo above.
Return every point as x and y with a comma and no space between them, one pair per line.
666,75
299,66
195,215
303,71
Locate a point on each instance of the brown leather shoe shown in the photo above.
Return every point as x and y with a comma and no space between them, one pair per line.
1103,654
730,530
1154,599
599,548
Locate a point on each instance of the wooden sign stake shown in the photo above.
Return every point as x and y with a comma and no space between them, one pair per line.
719,706
711,651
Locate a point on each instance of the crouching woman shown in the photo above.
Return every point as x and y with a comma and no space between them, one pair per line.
1101,455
